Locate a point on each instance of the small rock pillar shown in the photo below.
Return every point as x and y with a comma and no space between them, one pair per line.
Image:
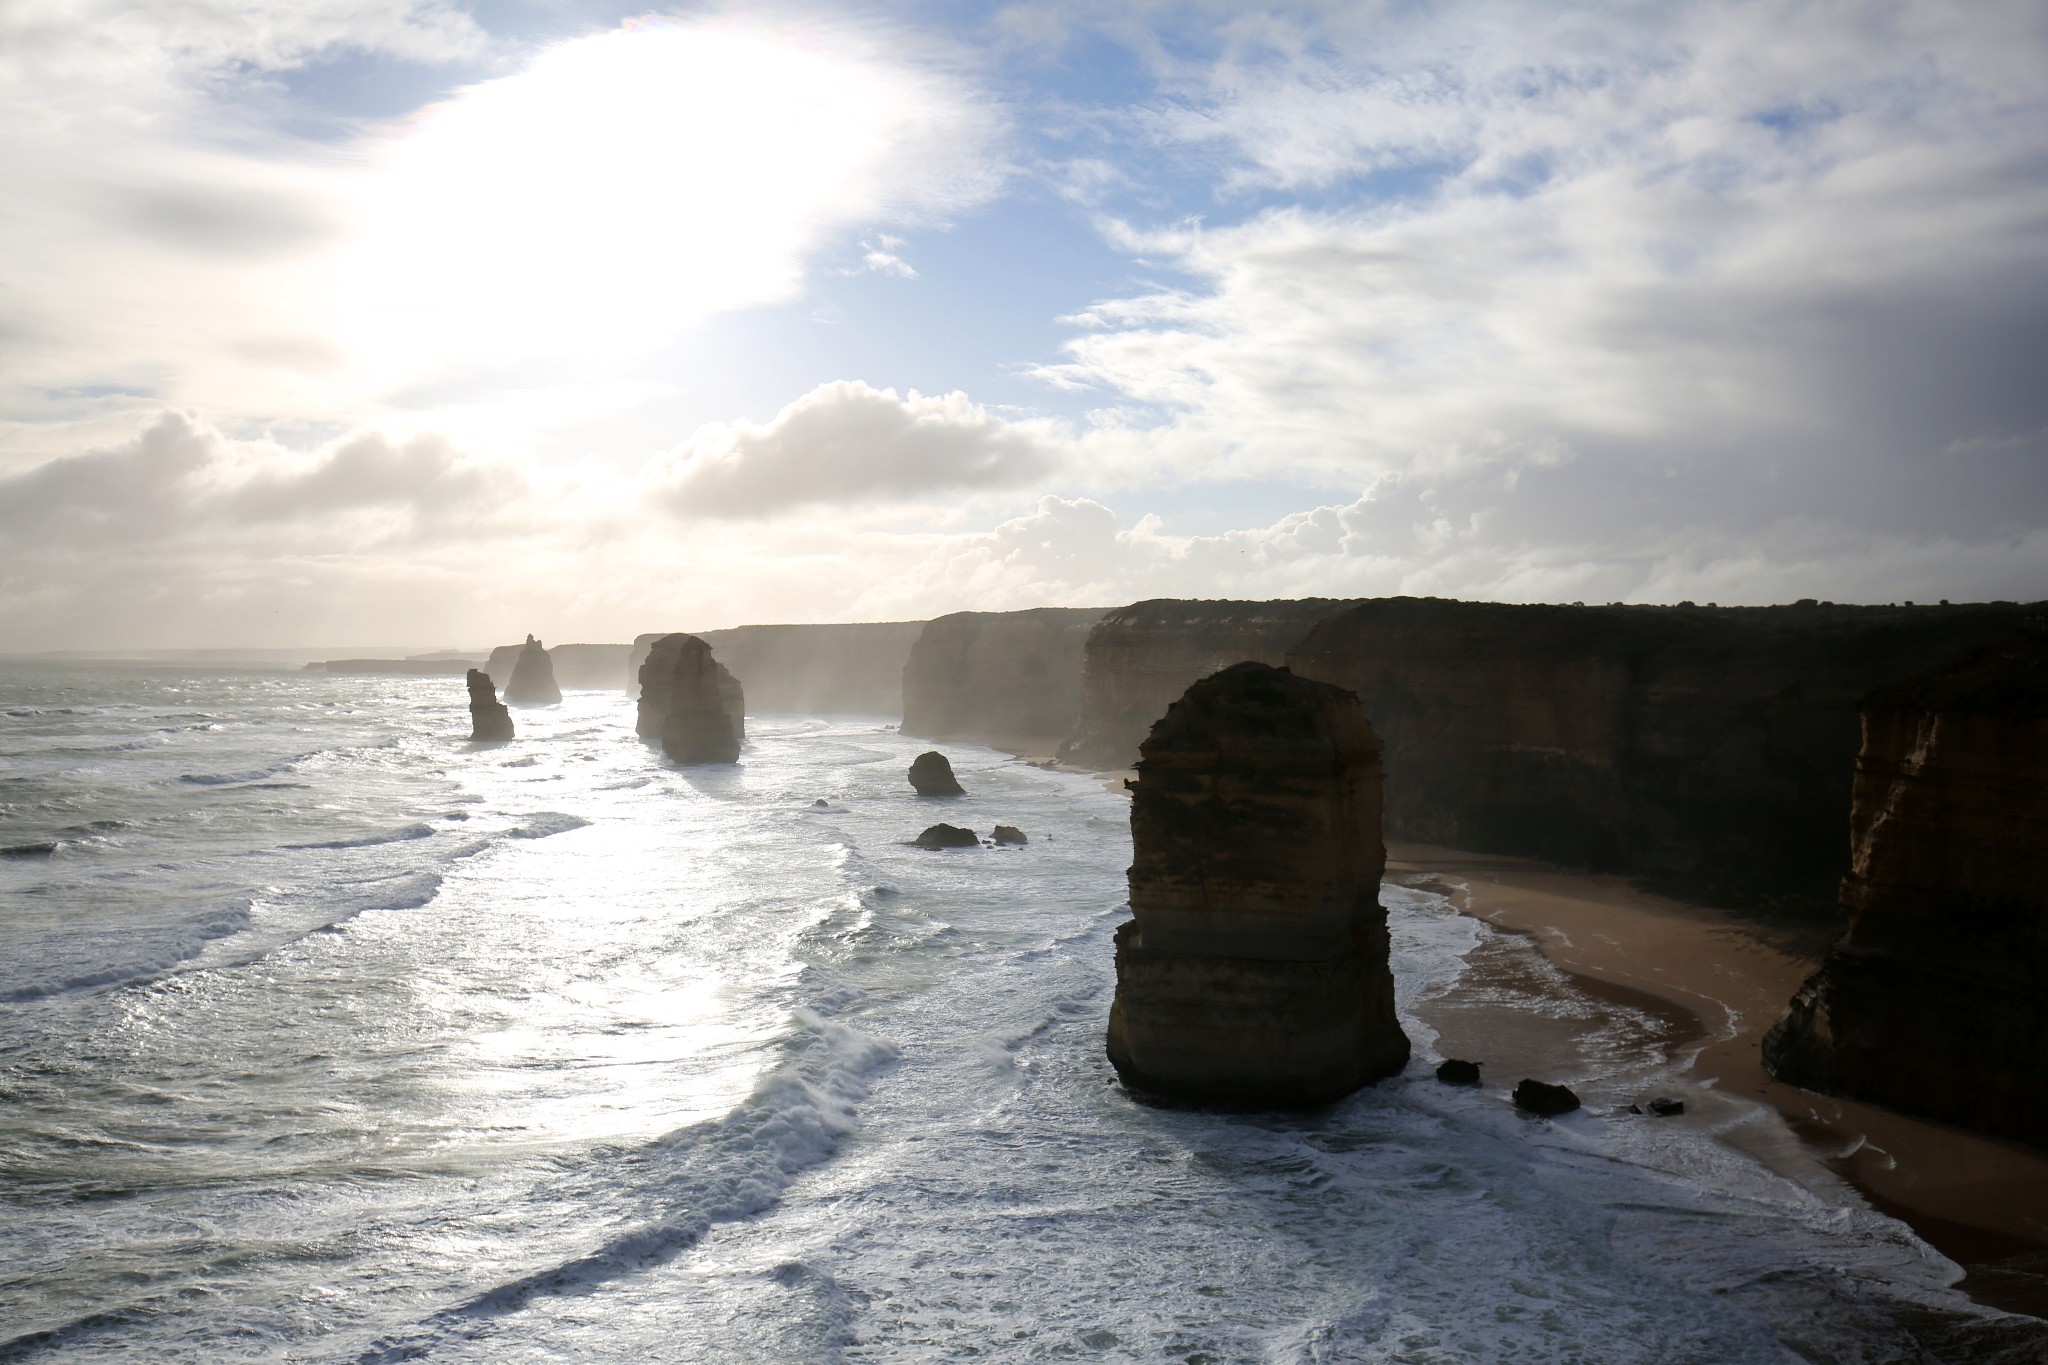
1254,970
488,718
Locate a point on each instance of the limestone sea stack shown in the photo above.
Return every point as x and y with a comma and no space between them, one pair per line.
690,702
488,718
1936,1000
533,677
1255,969
932,775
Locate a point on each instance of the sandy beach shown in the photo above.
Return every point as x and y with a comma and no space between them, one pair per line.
1713,984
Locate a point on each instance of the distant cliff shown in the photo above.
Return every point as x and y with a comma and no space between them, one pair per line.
810,669
1140,658
590,666
1936,1000
1712,746
999,677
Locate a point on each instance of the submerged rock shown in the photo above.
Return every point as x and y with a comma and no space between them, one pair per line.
690,703
1933,1003
932,775
947,836
1545,1099
1008,834
1665,1107
488,718
1254,971
533,677
1454,1072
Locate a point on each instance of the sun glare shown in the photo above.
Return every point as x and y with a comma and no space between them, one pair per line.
619,189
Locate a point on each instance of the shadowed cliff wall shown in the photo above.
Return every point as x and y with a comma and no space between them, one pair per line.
1140,658
1710,746
1936,1000
999,677
590,666
809,669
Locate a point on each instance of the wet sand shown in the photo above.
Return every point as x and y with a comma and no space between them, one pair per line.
1711,984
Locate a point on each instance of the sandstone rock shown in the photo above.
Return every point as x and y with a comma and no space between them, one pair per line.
1935,1002
533,678
1140,658
1007,678
947,836
690,702
1544,1099
1697,746
1008,834
1254,971
488,718
1455,1072
932,775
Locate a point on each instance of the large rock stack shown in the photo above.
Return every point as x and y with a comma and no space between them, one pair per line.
1255,969
533,677
488,718
691,702
1936,1000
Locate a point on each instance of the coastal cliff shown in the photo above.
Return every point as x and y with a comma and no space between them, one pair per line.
1140,658
1006,678
1254,968
1702,746
691,702
1936,1000
809,669
594,667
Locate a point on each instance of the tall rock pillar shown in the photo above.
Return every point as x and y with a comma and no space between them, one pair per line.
533,677
488,718
1254,971
1936,1000
691,702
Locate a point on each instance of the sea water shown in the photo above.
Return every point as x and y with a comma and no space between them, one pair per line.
328,1035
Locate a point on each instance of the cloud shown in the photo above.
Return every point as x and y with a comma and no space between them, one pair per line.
846,442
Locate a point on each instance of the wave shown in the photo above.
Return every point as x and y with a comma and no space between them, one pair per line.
42,849
543,823
391,836
168,959
231,779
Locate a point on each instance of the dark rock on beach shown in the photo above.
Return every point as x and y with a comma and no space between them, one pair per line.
1545,1099
533,678
1664,1107
1008,834
1454,1072
488,718
947,836
1254,971
932,775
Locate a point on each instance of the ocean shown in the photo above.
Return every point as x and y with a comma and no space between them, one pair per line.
327,1035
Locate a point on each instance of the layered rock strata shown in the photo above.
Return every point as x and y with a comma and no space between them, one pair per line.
854,669
1254,969
690,702
1006,678
1936,1000
533,677
932,775
488,718
1698,745
1140,658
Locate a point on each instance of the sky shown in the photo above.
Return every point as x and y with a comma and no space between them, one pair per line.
431,322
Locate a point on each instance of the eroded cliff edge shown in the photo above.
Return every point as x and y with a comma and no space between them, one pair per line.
1254,968
1005,678
1139,659
1936,1000
1707,747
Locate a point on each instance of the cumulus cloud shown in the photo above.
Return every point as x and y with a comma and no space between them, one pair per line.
846,442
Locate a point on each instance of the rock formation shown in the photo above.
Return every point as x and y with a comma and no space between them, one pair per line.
690,702
1007,678
1697,745
533,678
1008,836
1139,658
810,669
932,775
1255,968
502,660
1936,1000
1545,1099
488,718
1455,1072
947,836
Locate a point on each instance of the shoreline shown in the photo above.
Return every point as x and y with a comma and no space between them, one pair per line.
1716,984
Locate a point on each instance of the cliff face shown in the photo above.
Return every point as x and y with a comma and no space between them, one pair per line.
502,660
691,702
1709,745
533,677
810,669
590,666
488,718
998,677
1936,1000
1140,658
1254,969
